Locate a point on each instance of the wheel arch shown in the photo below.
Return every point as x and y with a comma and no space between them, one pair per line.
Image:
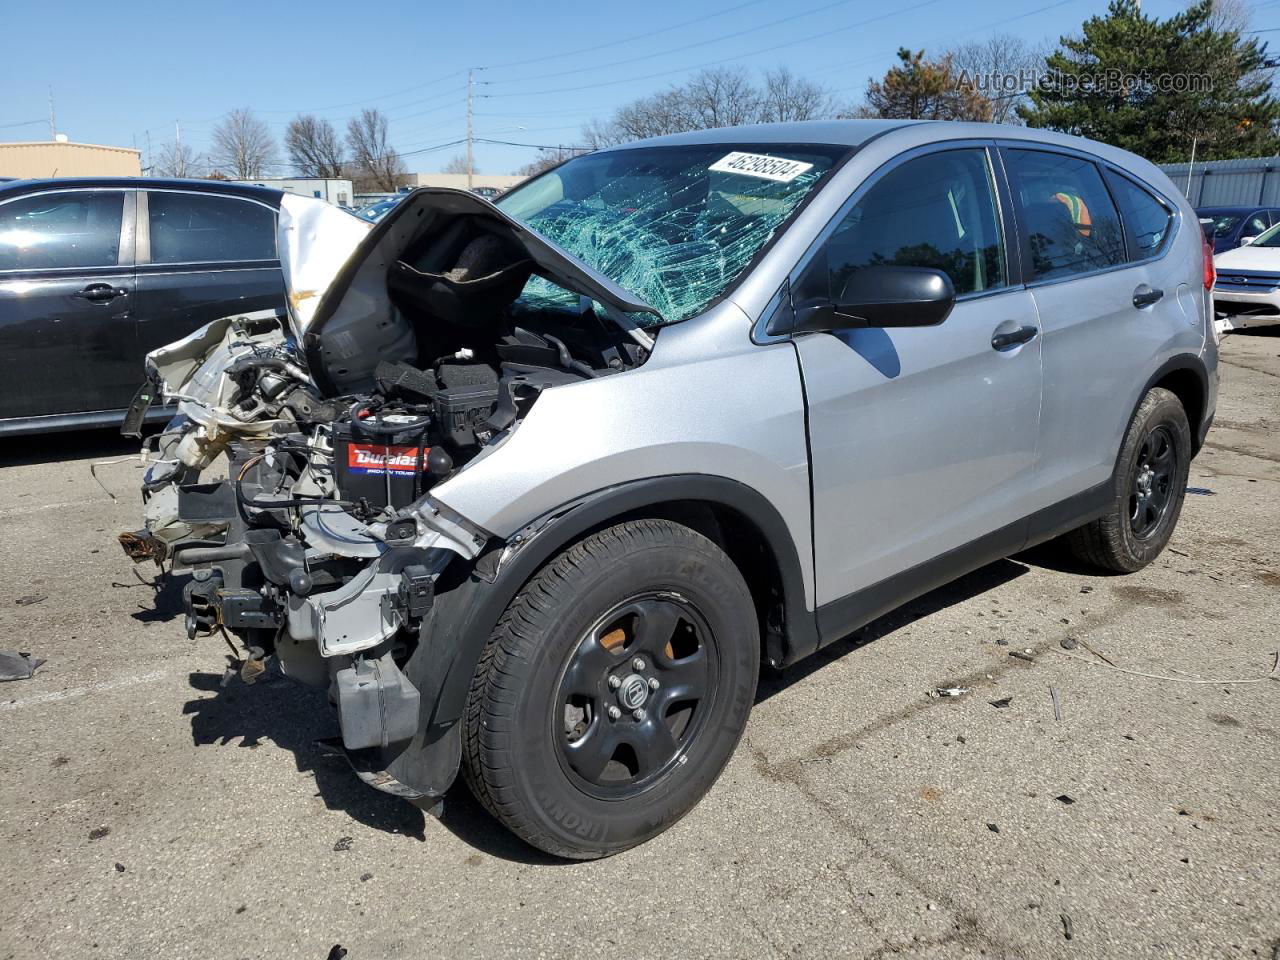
1187,379
738,518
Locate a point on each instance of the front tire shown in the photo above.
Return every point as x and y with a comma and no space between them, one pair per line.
613,690
1150,485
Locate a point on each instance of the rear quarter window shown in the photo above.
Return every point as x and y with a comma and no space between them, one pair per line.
1147,221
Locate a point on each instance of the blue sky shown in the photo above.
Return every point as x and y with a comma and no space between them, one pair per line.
120,71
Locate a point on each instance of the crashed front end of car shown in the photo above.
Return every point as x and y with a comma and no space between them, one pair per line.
410,352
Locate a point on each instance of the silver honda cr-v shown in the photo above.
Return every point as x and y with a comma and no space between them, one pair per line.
532,488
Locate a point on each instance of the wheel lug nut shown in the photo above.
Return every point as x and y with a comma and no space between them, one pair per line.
638,713
653,683
614,683
638,663
614,713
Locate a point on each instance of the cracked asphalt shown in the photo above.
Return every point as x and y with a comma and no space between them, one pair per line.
145,812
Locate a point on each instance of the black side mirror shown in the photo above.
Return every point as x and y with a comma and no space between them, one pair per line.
883,296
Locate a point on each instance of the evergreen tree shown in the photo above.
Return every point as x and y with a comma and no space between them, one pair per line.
920,89
1153,86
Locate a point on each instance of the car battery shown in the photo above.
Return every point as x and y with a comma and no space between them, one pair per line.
381,462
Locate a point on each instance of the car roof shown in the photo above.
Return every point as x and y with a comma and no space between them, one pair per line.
855,134
225,187
848,133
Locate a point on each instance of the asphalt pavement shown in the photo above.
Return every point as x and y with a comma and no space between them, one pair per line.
147,812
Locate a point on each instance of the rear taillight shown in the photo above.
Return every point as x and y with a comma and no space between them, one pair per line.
1210,272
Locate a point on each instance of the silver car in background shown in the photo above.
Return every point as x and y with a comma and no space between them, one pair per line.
533,488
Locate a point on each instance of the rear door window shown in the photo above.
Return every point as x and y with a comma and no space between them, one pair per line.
1146,219
61,229
936,211
1068,218
194,228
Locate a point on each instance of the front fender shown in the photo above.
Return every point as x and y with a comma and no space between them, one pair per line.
469,604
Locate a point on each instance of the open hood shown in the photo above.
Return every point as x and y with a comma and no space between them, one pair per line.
315,239
459,251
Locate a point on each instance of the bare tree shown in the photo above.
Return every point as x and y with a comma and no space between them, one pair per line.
1000,68
788,97
458,164
314,147
654,116
1231,16
723,97
243,145
547,158
178,160
377,162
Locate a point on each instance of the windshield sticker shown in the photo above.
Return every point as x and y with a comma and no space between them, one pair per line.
778,169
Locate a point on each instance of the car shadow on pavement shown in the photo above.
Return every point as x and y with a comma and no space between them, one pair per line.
165,604
1271,329
71,445
957,591
471,823
294,717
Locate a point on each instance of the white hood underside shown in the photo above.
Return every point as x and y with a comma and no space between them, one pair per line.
315,239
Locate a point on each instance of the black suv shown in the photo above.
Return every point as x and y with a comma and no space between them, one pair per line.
95,272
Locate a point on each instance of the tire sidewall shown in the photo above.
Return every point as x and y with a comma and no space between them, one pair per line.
1161,408
714,587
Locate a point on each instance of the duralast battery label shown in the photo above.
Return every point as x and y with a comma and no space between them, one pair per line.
374,459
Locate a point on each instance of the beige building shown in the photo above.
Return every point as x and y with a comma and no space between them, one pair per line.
459,180
62,158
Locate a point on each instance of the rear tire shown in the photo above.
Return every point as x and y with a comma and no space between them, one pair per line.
613,690
1150,485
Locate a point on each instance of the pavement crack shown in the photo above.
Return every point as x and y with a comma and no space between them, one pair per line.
1244,453
1245,366
968,930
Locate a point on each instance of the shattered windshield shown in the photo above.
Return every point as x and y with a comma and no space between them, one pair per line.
673,225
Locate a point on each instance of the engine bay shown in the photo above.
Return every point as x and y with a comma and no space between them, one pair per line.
323,544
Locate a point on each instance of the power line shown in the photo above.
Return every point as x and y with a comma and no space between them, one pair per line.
631,39
996,23
687,46
741,56
380,96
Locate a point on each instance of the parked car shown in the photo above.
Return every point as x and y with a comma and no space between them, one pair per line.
536,486
95,273
1230,227
489,193
376,211
1247,289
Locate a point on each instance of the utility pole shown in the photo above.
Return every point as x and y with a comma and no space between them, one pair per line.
1192,165
471,86
53,125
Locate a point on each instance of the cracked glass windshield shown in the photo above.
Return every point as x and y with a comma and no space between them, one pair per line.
673,225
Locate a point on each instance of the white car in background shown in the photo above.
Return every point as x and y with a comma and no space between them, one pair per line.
1247,289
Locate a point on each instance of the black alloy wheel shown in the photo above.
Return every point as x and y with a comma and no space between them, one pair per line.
613,690
635,693
1153,482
